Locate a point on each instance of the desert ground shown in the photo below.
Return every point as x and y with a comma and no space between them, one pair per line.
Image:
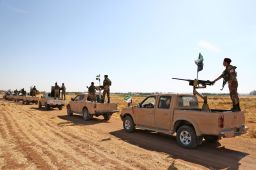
38,139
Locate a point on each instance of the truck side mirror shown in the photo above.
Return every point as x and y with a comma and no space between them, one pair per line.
72,99
139,105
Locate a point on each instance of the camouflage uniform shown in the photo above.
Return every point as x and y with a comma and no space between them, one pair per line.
229,75
92,93
63,92
56,91
106,86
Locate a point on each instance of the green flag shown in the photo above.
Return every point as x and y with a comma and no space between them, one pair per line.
200,62
128,98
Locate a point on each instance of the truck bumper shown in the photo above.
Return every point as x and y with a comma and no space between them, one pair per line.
232,132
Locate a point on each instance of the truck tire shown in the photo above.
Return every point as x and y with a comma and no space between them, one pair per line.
86,114
60,107
40,105
69,111
48,107
186,137
211,139
107,116
128,124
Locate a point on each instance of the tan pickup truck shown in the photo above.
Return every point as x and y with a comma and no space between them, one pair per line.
88,109
180,114
50,102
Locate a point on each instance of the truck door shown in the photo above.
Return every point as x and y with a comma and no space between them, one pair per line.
163,113
144,114
75,104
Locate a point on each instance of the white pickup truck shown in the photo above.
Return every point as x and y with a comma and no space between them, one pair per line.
50,102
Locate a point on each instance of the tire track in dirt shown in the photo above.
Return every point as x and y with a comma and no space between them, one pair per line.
9,159
104,154
78,146
37,142
25,147
41,141
128,152
84,146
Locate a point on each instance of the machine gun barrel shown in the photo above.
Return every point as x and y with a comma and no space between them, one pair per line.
196,82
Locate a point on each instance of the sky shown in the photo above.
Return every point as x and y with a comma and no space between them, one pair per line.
140,44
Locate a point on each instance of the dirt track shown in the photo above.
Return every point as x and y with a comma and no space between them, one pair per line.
37,139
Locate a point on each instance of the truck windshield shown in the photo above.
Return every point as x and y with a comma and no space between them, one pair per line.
188,101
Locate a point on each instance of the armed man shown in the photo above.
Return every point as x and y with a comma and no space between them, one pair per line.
56,90
106,86
92,92
33,91
229,75
63,91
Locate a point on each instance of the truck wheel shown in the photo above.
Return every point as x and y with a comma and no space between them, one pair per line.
107,116
48,107
40,105
211,139
69,111
186,137
86,114
60,107
128,124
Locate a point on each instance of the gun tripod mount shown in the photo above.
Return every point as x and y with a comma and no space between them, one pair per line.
199,84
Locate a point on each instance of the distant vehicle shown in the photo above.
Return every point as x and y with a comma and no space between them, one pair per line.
88,109
30,99
50,102
180,114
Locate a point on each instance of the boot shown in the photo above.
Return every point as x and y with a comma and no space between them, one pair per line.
238,107
233,108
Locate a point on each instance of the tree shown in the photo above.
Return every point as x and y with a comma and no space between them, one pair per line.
253,93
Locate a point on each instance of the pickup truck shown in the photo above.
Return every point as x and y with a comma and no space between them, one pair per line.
88,109
180,114
50,102
30,99
18,98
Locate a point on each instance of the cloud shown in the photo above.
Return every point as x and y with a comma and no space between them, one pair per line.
209,46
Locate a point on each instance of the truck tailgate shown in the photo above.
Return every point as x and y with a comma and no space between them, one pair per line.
233,119
106,107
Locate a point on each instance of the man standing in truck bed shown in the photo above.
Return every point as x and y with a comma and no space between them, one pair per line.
92,92
229,75
63,92
106,86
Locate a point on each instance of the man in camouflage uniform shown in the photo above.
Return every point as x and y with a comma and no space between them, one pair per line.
63,92
56,91
106,86
92,92
229,75
33,91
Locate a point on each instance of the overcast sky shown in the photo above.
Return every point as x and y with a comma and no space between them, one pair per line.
140,44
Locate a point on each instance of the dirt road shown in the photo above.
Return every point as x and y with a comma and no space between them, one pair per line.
37,139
